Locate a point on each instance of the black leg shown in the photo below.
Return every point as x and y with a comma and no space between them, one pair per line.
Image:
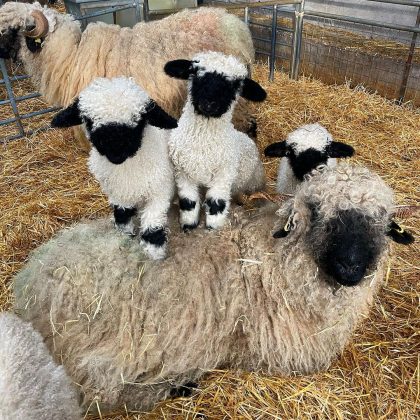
122,217
189,212
184,390
156,237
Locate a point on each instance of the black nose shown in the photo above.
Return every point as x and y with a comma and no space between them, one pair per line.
348,273
208,106
116,159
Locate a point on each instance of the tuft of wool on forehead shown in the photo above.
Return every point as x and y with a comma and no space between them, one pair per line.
214,62
313,136
100,101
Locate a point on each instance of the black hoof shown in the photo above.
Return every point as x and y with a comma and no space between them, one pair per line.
189,228
184,390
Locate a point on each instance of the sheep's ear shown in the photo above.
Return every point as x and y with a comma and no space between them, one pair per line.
157,117
399,235
285,230
253,91
68,117
281,233
180,69
337,149
278,149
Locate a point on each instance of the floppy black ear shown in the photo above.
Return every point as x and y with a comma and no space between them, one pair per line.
276,149
339,150
180,69
157,117
281,233
399,235
253,91
68,117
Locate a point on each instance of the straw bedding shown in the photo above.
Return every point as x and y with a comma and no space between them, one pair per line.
45,185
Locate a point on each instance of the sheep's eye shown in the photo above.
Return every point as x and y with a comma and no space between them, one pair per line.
88,122
314,211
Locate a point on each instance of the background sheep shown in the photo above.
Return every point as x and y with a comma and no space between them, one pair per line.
67,60
205,148
129,157
32,386
305,149
128,330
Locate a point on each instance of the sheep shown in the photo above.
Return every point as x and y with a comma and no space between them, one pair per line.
129,156
305,149
32,385
128,330
206,150
62,60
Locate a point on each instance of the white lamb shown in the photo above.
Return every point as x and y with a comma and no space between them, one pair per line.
304,149
206,150
129,156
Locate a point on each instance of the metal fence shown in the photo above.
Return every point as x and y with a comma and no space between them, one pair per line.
13,101
245,10
382,57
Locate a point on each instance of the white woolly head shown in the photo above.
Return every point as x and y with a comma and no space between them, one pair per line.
313,136
215,62
117,100
19,15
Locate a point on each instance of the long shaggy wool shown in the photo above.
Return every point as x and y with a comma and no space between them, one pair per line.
32,385
70,59
128,330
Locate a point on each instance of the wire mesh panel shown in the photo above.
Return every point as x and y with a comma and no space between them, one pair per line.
276,32
23,111
273,29
384,61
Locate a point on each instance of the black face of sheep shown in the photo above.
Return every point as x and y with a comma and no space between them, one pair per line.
9,44
116,141
351,243
35,31
304,162
212,93
347,246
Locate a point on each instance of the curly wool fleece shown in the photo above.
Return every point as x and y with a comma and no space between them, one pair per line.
128,330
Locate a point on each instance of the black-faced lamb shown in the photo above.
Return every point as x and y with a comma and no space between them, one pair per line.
129,330
206,150
62,60
32,385
129,156
305,149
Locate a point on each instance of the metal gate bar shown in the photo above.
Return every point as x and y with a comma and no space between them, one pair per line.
12,100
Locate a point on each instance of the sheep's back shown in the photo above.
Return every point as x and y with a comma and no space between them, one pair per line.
114,318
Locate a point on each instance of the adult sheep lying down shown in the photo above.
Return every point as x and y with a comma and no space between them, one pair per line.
62,60
129,330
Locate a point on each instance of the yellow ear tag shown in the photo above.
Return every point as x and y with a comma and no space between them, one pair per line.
400,230
288,224
38,40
